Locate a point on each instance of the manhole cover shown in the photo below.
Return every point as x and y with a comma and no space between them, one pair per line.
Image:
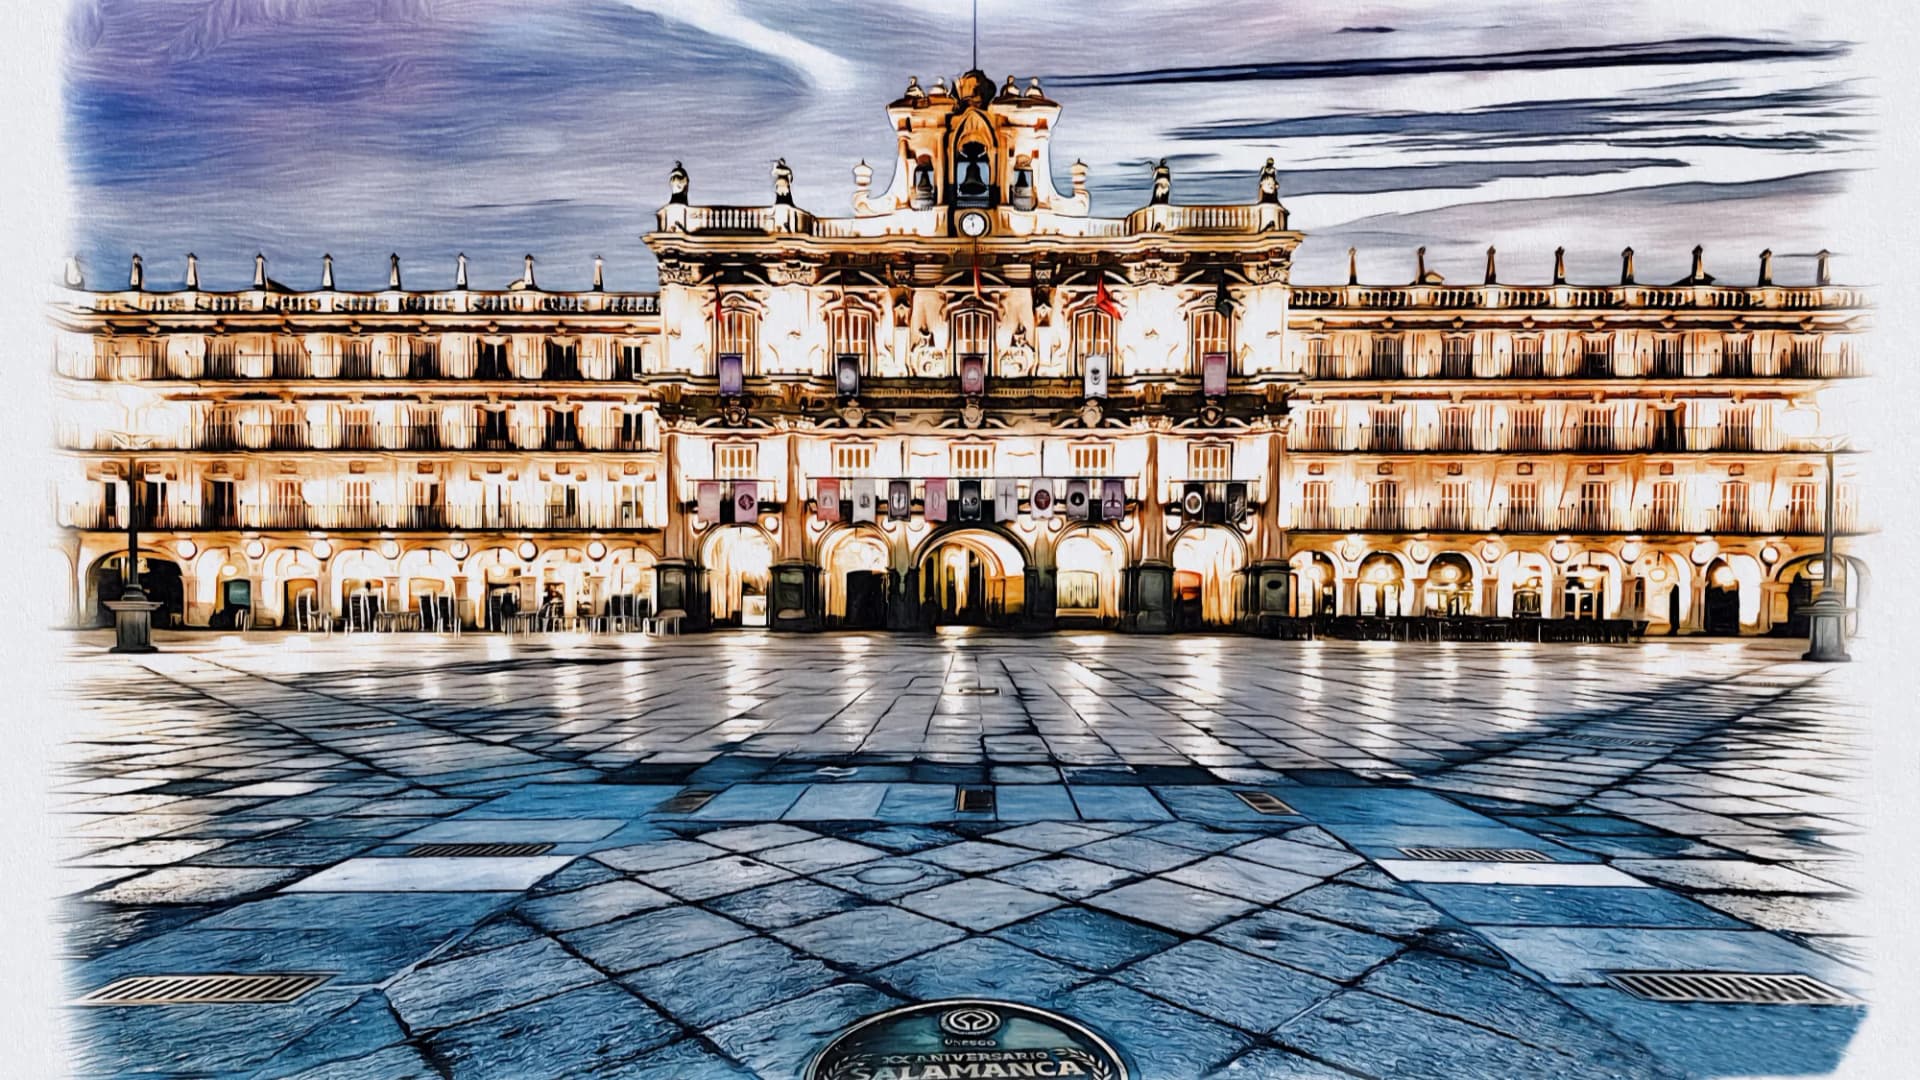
267,989
1263,802
1728,988
974,800
890,875
1475,854
476,851
687,801
976,691
967,1037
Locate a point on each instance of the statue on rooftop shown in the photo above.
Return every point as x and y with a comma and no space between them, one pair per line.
1269,183
677,184
1162,184
782,183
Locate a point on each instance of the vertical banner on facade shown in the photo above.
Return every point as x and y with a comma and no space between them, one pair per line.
1213,374
709,501
1236,502
1094,376
1193,502
1113,500
969,500
935,504
1006,499
863,500
1040,497
732,374
746,501
899,499
846,375
828,499
1077,500
973,375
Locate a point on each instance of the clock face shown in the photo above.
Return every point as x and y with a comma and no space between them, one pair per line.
973,224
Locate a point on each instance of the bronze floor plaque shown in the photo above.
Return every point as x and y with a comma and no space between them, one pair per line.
966,1040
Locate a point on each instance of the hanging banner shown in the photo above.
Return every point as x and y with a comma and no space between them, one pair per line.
1113,500
973,375
1193,502
864,502
969,500
732,371
746,501
899,499
828,500
1094,376
709,501
935,507
1213,375
1236,502
846,375
1077,500
1040,497
1006,500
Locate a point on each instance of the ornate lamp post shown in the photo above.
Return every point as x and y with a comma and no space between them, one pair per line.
133,612
1827,614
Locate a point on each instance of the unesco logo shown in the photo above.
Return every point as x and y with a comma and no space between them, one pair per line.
970,1023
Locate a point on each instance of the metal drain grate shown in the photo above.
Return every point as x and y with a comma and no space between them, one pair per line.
476,851
1617,740
273,989
367,725
688,801
1475,854
1263,802
976,691
1728,988
974,800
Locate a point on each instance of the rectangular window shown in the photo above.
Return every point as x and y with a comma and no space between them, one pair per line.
1523,506
490,360
629,360
973,459
1596,427
1384,505
1456,358
852,330
1526,428
1456,427
1316,509
1736,429
1092,334
740,333
1736,355
1527,358
1596,356
1663,509
1386,428
1734,516
1321,363
1455,498
1803,509
1316,430
973,334
1669,356
562,360
1210,461
1090,459
736,461
1592,509
853,459
1389,352
1208,331
1804,361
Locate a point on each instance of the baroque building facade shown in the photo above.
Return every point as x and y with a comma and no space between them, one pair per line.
971,401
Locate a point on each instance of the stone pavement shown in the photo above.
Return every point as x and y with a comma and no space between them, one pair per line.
256,805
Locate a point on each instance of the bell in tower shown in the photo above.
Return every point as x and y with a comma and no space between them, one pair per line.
971,187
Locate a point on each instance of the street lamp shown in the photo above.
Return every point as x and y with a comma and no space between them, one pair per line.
1827,614
133,612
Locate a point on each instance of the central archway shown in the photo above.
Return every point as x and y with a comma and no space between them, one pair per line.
1206,566
972,577
855,564
739,563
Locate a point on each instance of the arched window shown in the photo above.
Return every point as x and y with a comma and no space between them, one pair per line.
1092,336
1208,331
852,331
972,333
740,333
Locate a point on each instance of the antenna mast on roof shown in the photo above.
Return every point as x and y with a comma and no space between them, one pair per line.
976,35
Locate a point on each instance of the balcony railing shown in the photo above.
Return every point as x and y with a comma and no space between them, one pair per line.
1797,365
1568,519
360,517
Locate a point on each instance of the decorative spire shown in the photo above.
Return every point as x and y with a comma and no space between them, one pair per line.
1626,266
75,277
782,183
599,273
527,278
393,271
1559,266
1079,172
137,276
1420,265
460,272
1490,274
326,271
1699,273
1353,266
677,183
863,175
1766,267
1822,273
259,271
193,271
1269,183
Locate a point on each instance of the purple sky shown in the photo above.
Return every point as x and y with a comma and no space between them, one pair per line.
499,127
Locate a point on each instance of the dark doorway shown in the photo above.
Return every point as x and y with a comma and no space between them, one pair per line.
866,600
1187,603
159,578
1722,614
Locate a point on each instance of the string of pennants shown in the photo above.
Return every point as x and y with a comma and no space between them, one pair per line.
860,499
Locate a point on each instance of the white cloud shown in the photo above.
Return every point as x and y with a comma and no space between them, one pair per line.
724,19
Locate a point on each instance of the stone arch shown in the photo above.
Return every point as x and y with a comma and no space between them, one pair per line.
1208,564
1089,561
739,572
857,574
972,574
